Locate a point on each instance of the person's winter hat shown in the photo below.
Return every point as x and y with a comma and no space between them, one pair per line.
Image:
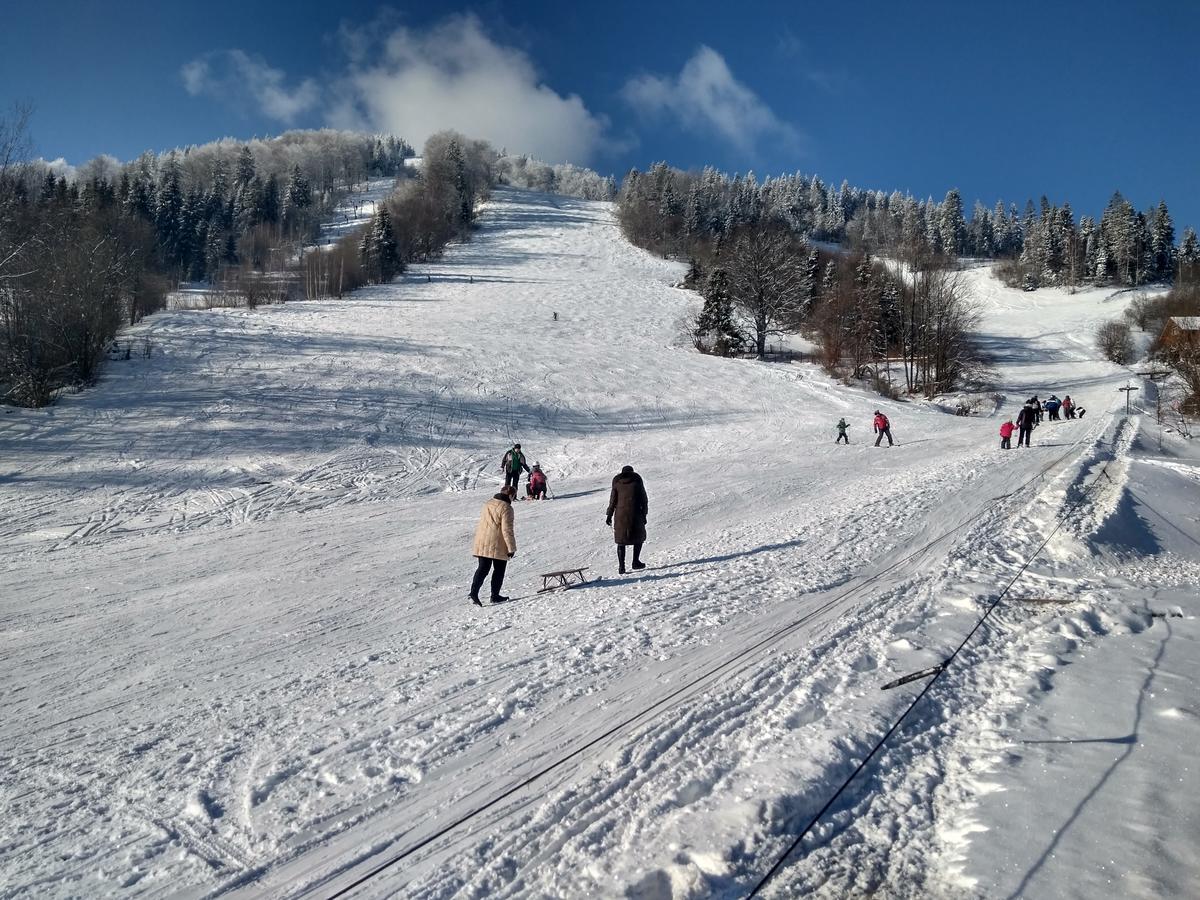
516,446
537,465
626,470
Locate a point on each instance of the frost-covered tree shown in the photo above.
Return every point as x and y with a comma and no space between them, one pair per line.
716,330
952,227
1162,244
766,274
1189,257
378,251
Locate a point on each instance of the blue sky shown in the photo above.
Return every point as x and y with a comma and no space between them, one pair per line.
1015,100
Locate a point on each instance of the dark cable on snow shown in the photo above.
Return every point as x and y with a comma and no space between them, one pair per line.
925,690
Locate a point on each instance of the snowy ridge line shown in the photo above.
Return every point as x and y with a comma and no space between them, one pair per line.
936,672
746,657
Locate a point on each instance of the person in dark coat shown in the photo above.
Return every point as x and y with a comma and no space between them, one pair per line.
511,465
627,509
1026,421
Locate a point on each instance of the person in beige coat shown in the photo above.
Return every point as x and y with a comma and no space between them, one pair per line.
495,543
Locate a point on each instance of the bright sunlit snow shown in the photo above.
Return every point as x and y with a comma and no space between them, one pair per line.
238,657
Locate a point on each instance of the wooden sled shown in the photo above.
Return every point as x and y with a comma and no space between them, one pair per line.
563,579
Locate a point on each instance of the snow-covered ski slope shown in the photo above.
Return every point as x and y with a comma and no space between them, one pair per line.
238,658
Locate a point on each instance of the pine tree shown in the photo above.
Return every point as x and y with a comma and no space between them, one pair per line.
1090,238
1001,237
168,211
377,249
812,277
297,200
715,329
952,228
269,207
245,172
1162,244
829,281
390,264
368,254
1189,257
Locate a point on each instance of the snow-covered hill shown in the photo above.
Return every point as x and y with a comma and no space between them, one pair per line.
238,657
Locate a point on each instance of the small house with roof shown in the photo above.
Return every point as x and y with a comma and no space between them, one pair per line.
1181,333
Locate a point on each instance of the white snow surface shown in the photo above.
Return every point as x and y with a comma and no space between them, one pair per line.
238,659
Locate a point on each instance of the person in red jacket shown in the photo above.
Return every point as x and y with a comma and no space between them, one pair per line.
535,488
882,427
1006,431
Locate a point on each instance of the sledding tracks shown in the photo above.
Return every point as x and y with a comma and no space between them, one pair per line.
696,718
309,685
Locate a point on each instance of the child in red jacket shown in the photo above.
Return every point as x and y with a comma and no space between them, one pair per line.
1006,431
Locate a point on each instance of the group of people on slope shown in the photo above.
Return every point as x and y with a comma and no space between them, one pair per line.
883,428
513,463
495,535
1031,414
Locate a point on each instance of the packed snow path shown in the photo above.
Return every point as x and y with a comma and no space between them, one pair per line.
239,659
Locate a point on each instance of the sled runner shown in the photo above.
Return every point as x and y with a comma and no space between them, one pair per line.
566,578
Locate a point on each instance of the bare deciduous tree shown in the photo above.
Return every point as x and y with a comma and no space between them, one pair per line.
766,268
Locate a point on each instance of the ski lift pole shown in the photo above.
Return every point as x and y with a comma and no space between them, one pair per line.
1127,389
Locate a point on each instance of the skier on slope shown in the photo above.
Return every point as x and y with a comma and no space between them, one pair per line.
882,427
511,465
842,425
1068,407
629,503
535,488
495,543
1006,431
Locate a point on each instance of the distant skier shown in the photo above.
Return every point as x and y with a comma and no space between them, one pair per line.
495,543
535,488
1068,407
1052,407
629,504
882,427
842,425
511,465
1026,422
1006,431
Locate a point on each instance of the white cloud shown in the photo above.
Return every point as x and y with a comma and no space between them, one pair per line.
706,97
236,77
455,76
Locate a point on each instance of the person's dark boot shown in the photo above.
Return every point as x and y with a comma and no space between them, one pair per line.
500,599
637,557
476,600
621,559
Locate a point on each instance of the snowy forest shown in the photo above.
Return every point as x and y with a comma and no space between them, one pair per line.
793,254
669,211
